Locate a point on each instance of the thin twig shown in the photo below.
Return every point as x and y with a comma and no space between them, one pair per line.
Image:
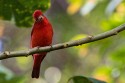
25,53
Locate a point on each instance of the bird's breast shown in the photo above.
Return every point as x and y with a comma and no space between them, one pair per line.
42,36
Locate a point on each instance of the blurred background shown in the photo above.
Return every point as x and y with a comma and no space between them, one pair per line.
71,20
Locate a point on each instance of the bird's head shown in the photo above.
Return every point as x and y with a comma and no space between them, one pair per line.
38,15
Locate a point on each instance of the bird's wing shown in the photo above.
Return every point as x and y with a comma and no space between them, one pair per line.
33,28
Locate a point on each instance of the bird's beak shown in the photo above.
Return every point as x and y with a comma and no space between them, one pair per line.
40,18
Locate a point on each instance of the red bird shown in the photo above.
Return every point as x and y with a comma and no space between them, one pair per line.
41,36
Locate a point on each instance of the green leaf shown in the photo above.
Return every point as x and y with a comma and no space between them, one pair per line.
21,10
96,81
82,79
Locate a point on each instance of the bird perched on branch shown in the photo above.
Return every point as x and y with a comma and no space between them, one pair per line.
41,36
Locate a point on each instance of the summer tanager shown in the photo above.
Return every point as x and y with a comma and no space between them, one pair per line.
41,36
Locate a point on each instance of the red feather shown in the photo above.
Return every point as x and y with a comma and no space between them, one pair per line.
41,36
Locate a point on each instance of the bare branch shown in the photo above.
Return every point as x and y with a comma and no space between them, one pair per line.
88,39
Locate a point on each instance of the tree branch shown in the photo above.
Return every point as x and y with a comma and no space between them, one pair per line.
88,39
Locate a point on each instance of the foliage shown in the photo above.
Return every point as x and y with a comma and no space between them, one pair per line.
82,79
116,19
16,79
103,60
21,10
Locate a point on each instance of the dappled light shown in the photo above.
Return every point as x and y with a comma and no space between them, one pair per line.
94,62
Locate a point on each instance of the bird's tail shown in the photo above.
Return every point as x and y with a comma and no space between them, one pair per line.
37,62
